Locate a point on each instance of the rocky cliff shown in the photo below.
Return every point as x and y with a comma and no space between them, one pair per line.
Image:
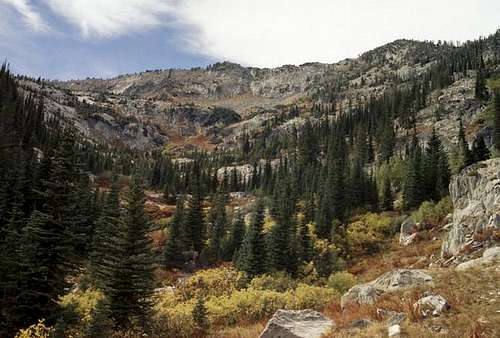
476,200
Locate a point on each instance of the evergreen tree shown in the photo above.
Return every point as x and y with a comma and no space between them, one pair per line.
236,236
174,247
304,243
217,229
194,224
463,146
387,202
252,258
199,315
129,286
479,150
496,127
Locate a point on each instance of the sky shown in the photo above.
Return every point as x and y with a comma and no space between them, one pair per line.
70,39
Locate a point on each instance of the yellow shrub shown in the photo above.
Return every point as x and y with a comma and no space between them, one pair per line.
341,281
311,297
212,282
278,281
368,232
83,301
38,330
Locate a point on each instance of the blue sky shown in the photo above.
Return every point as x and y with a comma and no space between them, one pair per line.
67,39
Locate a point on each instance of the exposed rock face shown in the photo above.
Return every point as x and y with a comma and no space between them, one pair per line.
360,294
490,257
394,330
475,193
433,304
408,232
388,282
297,324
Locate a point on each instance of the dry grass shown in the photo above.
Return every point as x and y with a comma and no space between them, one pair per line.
367,268
249,331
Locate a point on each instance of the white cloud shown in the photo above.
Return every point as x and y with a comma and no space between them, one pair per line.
275,32
29,15
112,18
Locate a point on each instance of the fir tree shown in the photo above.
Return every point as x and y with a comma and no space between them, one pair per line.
130,284
174,247
253,255
236,236
194,224
496,127
479,150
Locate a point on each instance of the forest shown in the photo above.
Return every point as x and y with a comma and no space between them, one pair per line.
75,220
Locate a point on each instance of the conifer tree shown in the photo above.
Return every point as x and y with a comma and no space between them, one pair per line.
130,278
479,150
463,146
304,243
217,229
174,247
194,224
387,202
236,236
252,258
496,127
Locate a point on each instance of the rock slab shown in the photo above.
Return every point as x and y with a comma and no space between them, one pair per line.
388,282
475,194
490,257
297,324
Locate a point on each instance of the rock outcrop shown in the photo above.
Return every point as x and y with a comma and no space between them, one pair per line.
297,324
490,257
388,282
408,232
432,305
475,193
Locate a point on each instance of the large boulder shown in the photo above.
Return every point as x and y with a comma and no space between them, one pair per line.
475,193
297,324
490,257
359,294
390,281
408,232
401,278
432,304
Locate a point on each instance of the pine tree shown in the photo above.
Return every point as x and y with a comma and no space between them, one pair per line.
174,248
463,146
194,224
200,317
496,127
304,243
387,202
412,188
252,257
236,236
479,150
217,229
130,284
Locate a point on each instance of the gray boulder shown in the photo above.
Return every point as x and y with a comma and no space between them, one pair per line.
297,324
490,257
432,305
388,282
408,232
359,294
475,194
401,278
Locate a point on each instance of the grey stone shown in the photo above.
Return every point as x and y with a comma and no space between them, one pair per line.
394,330
408,232
359,324
475,194
432,305
490,257
390,281
297,324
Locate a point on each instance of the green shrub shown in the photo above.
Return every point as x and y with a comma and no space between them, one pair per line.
431,213
341,281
